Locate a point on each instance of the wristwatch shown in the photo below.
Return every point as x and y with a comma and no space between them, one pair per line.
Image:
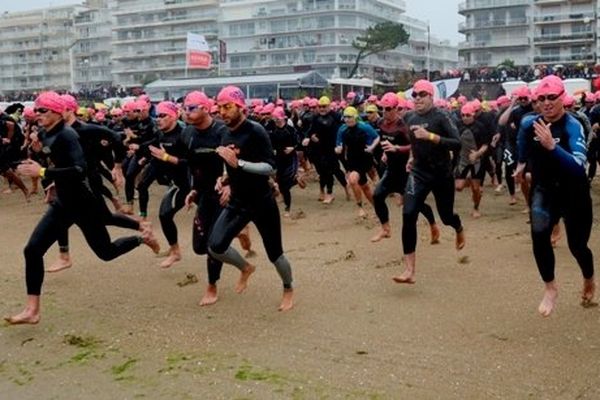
241,163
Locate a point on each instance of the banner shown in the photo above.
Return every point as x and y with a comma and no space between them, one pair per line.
197,52
444,88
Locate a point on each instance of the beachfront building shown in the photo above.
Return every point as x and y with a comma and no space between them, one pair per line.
35,50
92,49
287,36
149,38
528,32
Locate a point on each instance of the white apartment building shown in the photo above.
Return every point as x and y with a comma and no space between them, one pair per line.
529,32
284,36
35,49
92,50
149,38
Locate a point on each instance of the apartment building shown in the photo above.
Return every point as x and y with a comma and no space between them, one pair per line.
529,32
91,53
149,38
284,36
35,50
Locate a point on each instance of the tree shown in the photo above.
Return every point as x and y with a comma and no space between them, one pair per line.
507,64
378,38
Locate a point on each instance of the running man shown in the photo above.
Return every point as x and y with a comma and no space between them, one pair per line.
75,203
553,143
433,135
248,154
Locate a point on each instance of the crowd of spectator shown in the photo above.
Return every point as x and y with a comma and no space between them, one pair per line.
92,95
522,73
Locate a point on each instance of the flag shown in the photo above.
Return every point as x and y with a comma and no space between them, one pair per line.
197,52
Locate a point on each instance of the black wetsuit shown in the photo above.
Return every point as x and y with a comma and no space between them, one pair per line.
431,172
559,188
74,204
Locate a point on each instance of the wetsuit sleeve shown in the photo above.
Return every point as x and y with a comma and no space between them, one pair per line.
523,145
114,138
258,168
452,141
574,162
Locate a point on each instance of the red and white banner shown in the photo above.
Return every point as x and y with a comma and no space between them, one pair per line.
198,52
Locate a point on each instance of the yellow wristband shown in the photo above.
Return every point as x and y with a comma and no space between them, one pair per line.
431,136
165,157
42,172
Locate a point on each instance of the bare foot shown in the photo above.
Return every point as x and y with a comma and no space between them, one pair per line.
362,213
512,201
150,241
242,283
587,294
460,240
287,302
408,276
170,260
210,296
382,234
548,301
63,262
116,204
25,317
328,199
321,196
435,234
475,214
555,237
127,209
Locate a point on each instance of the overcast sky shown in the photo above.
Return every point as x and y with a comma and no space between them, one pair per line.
441,14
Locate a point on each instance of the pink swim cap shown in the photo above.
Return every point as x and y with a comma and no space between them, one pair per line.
389,100
168,108
232,94
423,85
51,101
197,98
551,84
70,102
278,113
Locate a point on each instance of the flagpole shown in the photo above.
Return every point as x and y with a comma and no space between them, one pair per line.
428,51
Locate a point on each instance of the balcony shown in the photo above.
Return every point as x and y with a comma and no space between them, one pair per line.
559,18
472,5
550,2
169,51
516,42
567,59
472,25
564,38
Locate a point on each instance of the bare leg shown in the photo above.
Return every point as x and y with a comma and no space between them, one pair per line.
549,300
210,296
63,262
476,197
408,276
287,302
30,315
460,240
174,256
242,282
587,294
555,237
435,233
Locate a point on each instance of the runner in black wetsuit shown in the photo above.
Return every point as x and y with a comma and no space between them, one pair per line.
433,135
75,203
201,138
511,119
164,168
11,141
91,137
474,138
395,144
285,141
248,154
554,144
